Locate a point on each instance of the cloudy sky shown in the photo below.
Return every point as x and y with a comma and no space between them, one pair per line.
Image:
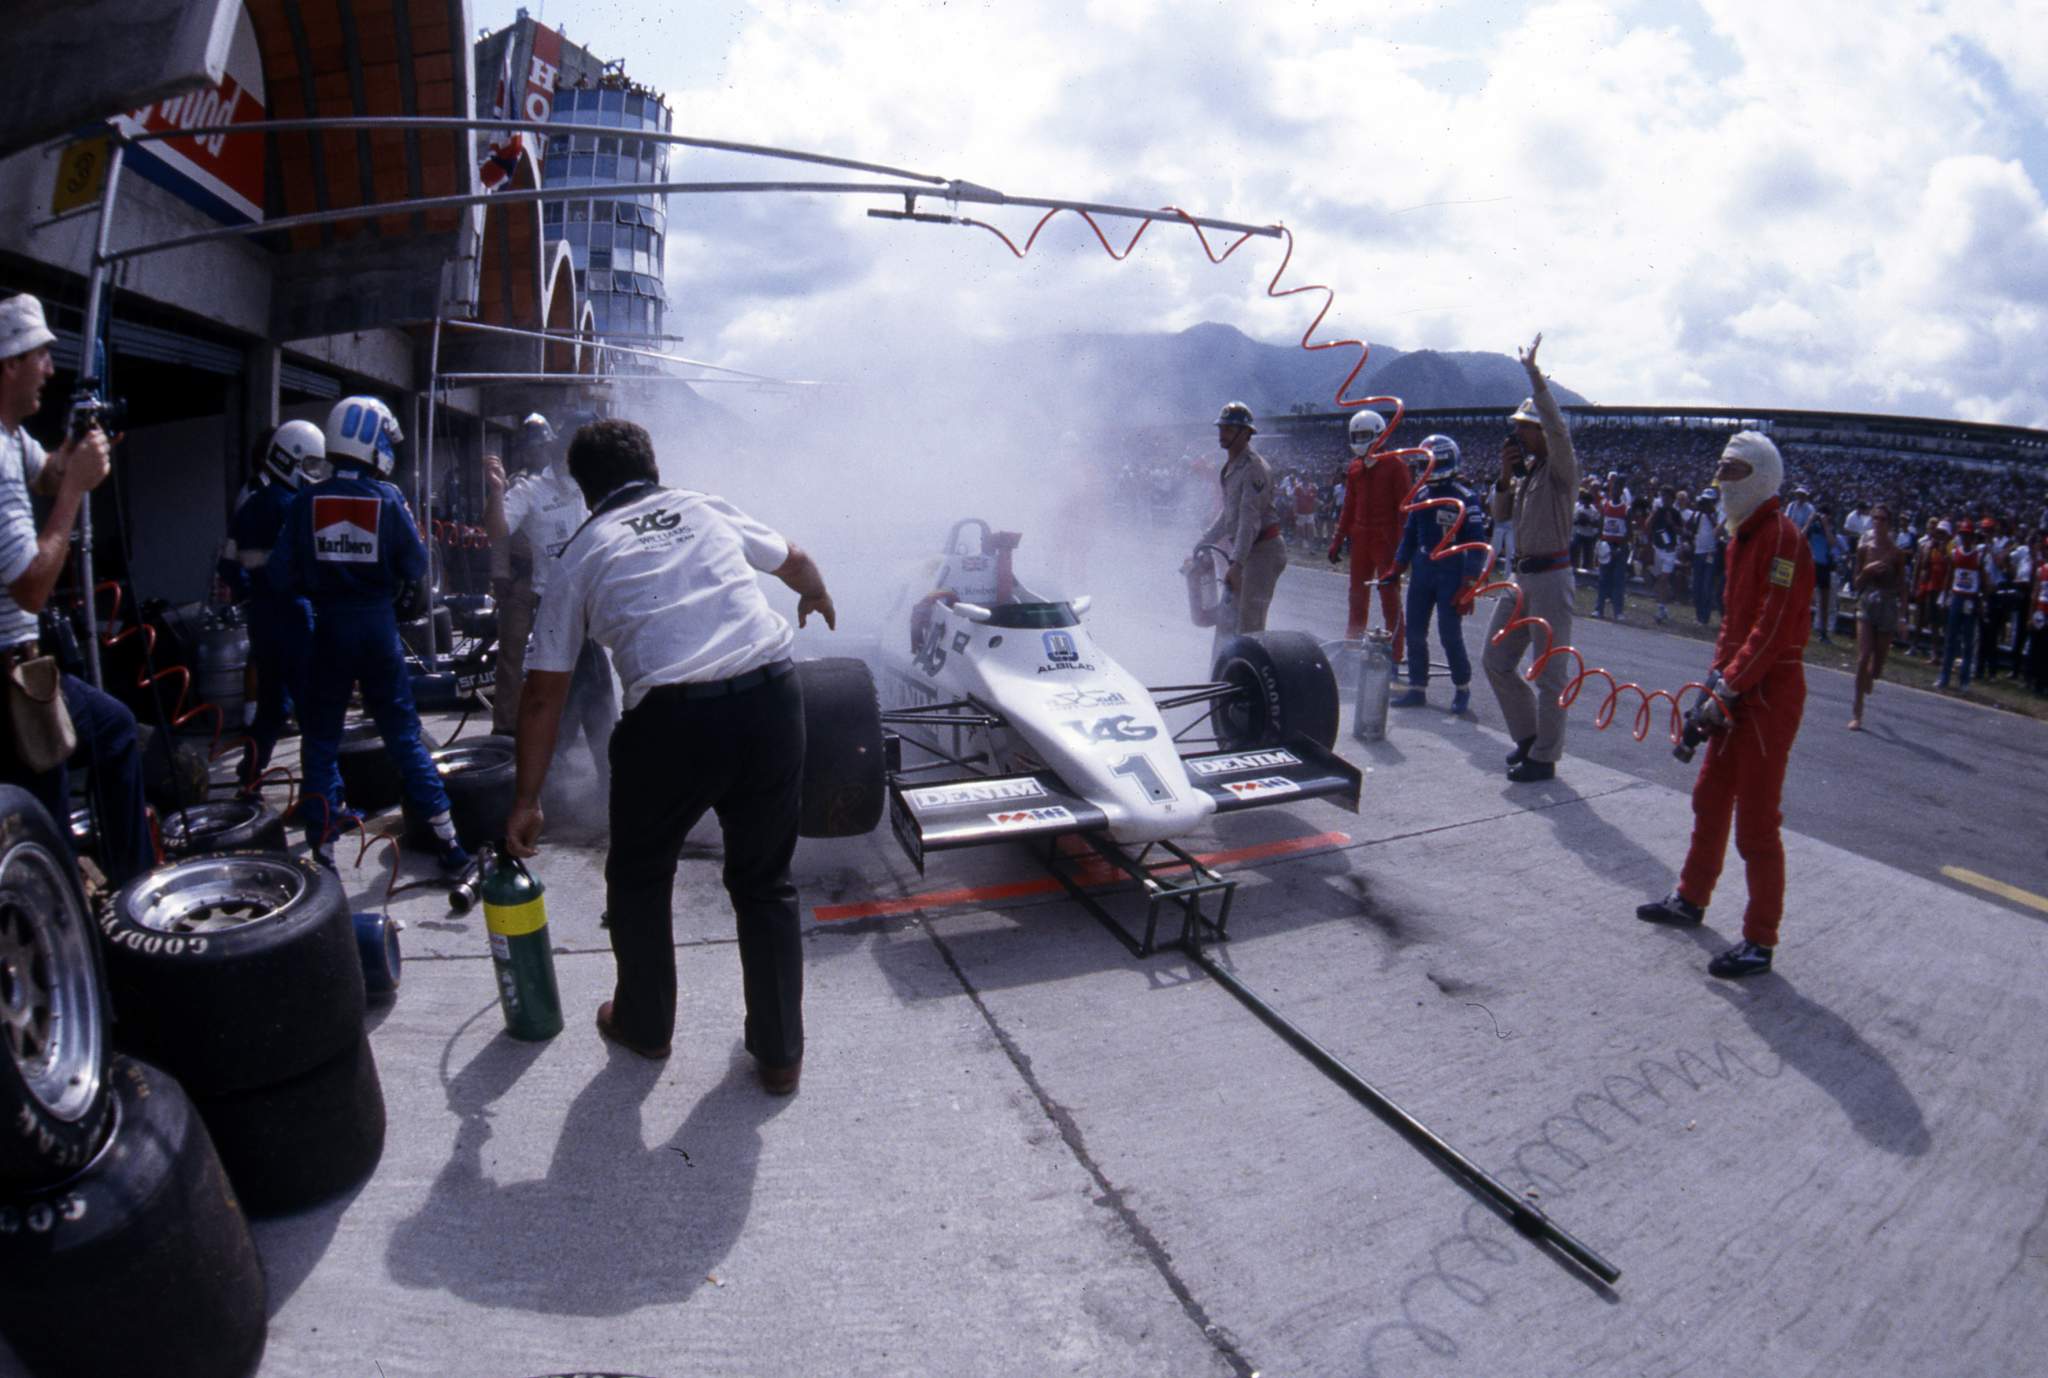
1815,203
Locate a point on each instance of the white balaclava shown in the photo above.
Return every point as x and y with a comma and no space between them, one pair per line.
1742,496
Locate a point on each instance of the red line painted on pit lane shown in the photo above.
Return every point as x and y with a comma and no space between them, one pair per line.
1091,876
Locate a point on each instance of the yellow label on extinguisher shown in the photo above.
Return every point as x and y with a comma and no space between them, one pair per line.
516,920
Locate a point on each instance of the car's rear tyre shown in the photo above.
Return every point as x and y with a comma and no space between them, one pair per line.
1286,688
139,1262
54,1103
844,785
234,969
223,825
293,1145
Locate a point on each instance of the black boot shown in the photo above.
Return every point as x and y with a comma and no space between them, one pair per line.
1674,909
1743,959
1530,771
1521,751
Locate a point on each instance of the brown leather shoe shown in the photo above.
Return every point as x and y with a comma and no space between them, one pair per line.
606,1028
780,1081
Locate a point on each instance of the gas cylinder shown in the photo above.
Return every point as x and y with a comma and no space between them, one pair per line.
1375,687
223,660
516,917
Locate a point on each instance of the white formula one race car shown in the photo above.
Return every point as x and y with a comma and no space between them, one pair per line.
1020,726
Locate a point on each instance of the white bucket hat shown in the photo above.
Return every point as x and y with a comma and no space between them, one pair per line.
22,327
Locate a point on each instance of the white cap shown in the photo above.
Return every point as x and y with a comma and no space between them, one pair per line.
22,327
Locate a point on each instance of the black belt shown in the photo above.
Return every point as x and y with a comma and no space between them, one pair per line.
1543,564
738,684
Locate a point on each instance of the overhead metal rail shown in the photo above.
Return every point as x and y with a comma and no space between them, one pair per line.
914,186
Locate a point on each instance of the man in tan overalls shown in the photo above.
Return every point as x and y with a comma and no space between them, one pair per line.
1248,526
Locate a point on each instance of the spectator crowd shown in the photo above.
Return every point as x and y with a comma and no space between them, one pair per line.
1975,535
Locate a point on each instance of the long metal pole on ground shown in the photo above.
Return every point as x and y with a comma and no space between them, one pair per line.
88,362
1526,1218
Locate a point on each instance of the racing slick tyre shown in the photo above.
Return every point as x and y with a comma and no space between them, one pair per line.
1286,687
844,787
140,1260
223,825
370,779
298,1143
54,1103
234,970
478,774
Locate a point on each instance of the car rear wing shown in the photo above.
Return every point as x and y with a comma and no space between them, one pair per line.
950,814
1296,769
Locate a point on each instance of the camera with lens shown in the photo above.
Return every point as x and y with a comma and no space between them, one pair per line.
89,408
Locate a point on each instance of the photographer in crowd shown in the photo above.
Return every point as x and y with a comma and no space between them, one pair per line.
31,561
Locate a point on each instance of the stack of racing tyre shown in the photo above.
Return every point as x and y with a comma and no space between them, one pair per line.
240,974
122,1246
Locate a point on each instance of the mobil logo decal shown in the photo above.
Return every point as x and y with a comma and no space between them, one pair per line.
345,529
1060,648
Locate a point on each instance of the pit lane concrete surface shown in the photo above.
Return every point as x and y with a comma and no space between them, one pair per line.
1019,1150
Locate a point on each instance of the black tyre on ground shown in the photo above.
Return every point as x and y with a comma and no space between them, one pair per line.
141,1260
383,962
54,1104
370,779
223,825
234,970
1286,687
844,787
298,1143
478,774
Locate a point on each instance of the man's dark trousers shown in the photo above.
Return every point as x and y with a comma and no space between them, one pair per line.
1706,585
673,757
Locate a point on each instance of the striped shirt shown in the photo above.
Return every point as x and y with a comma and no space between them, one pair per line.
21,460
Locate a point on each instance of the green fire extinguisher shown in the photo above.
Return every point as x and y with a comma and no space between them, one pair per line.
516,916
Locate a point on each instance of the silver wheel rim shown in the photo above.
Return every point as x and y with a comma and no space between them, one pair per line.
202,819
461,758
214,894
50,1012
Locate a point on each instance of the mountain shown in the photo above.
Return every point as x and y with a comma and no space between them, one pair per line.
1158,378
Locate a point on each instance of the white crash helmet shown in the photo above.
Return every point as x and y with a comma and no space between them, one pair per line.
1367,426
296,444
1446,451
362,430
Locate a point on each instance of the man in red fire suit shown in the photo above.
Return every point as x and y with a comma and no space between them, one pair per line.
1757,690
1374,488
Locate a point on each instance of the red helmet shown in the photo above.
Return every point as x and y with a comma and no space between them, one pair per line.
1964,528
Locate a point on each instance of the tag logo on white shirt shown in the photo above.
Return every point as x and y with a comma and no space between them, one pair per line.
345,529
660,519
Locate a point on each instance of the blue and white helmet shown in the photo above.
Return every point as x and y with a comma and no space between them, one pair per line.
1446,451
362,430
296,444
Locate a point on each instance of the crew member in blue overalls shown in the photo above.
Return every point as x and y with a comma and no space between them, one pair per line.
351,546
1440,582
280,624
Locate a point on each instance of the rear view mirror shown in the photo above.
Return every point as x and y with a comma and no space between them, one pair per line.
973,612
1082,604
